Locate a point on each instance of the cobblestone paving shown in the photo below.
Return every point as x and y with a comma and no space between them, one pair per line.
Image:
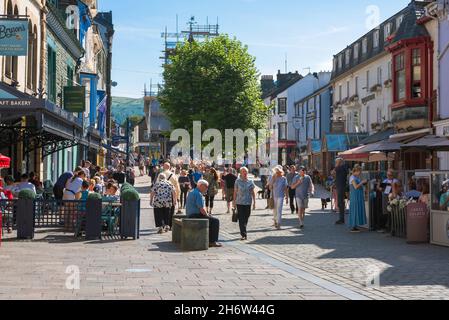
322,262
332,253
150,268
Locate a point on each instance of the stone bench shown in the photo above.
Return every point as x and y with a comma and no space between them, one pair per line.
190,234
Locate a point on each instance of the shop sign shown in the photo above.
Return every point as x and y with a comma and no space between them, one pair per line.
311,116
75,99
297,123
13,37
338,127
16,103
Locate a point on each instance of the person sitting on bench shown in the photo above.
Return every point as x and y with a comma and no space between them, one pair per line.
195,209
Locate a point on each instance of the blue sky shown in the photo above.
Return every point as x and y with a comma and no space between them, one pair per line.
308,32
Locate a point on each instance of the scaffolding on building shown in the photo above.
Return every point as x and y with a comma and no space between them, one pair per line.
195,32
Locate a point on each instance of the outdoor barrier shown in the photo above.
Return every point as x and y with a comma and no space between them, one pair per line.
91,216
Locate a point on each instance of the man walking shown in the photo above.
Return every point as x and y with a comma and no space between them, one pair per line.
304,188
195,209
291,191
341,181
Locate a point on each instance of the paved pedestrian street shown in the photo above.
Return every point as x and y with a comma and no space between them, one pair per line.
321,262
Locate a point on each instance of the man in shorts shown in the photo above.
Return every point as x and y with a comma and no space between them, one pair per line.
229,180
304,189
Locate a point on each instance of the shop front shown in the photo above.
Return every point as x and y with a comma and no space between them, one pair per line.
439,213
39,136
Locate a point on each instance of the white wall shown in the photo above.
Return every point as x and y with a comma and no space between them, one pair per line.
369,113
33,10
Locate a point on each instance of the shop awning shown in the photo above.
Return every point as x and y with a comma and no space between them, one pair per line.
343,142
49,128
379,136
355,154
316,146
382,146
430,142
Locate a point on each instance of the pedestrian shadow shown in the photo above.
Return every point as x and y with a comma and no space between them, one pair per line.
359,253
165,246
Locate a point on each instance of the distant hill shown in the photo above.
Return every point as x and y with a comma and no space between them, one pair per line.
125,107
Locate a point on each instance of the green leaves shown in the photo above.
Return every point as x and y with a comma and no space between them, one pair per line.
215,82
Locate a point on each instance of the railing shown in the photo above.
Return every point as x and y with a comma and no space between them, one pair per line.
8,211
58,214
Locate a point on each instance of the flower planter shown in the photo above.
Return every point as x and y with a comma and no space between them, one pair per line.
130,219
25,219
93,219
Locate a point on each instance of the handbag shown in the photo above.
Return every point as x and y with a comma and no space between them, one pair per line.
235,217
271,203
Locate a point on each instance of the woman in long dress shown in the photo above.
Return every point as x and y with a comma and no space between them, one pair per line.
357,213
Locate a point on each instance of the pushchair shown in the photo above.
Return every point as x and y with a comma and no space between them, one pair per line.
48,190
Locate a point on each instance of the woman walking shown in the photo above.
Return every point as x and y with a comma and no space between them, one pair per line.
162,199
357,213
211,177
279,188
244,196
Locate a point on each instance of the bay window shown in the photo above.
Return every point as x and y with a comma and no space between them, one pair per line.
399,73
416,74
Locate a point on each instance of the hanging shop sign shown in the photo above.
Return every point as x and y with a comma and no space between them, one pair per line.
297,123
75,99
13,37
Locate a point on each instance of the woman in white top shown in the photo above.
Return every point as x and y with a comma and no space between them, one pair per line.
73,186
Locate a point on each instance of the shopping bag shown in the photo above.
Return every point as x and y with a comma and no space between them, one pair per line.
235,217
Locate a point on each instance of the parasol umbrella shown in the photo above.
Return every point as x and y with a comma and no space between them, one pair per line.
5,162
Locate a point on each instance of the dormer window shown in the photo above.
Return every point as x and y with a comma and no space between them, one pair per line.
347,56
399,21
387,31
364,45
356,51
340,61
376,38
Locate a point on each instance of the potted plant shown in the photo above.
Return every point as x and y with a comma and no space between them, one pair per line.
93,210
130,213
387,83
25,214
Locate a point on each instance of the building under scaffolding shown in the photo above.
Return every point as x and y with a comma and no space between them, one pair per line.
195,32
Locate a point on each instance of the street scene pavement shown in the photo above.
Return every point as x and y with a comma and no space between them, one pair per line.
322,261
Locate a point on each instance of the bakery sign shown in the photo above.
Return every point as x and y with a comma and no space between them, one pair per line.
18,102
13,37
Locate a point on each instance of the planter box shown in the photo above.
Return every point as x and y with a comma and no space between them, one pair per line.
93,219
130,220
25,219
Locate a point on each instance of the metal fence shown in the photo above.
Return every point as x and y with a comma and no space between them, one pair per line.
68,216
8,210
58,214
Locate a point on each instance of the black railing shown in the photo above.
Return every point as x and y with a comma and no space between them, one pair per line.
58,214
8,211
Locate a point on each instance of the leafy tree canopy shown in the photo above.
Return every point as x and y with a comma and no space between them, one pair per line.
215,82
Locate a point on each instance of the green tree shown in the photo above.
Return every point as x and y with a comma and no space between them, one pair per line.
215,82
